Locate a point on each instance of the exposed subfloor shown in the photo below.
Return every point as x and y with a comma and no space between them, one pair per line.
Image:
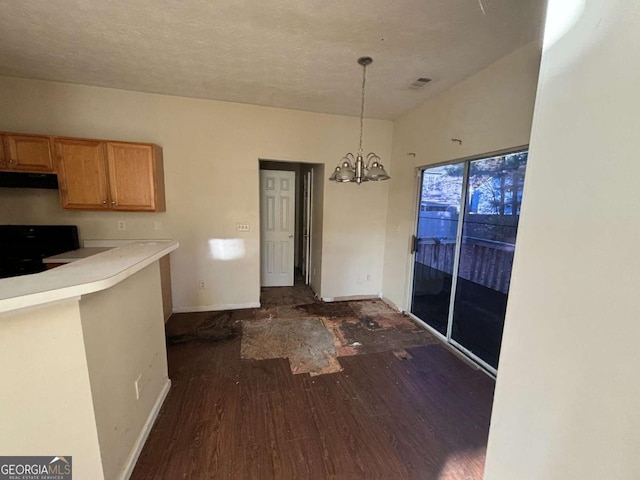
399,405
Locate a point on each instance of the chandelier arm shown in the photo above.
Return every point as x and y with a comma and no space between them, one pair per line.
350,157
372,157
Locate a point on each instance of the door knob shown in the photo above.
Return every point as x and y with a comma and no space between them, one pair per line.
290,236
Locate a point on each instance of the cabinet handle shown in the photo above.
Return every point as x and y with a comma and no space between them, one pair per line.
113,203
104,202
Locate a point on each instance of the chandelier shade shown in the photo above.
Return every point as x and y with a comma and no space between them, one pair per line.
354,168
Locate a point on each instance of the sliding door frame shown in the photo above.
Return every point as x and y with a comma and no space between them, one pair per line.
456,254
447,339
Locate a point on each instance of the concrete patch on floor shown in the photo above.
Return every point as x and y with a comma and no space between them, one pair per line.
343,348
312,336
266,312
402,354
277,296
376,332
371,307
207,327
244,314
306,342
329,310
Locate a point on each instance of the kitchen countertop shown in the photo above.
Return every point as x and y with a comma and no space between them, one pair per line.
87,275
74,255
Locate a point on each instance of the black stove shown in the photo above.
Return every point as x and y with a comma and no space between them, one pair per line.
22,247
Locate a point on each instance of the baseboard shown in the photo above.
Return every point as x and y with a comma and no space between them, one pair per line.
146,429
214,308
392,304
350,298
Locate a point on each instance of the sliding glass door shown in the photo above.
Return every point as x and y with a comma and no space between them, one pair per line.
464,247
435,244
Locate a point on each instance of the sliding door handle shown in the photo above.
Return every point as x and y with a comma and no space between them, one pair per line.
414,244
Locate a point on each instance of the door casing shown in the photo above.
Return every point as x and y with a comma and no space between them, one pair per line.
307,222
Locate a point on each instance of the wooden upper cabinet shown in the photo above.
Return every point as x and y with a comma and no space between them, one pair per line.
28,153
92,174
82,174
136,178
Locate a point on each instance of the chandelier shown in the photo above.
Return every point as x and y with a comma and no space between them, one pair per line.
353,168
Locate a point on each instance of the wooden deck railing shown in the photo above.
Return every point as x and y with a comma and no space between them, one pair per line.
484,262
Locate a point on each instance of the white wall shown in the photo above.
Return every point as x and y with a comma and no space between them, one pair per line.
211,154
123,331
45,399
489,111
567,402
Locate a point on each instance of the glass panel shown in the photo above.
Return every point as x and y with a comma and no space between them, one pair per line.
440,199
489,232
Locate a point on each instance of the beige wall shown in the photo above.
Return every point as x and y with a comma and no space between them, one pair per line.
567,396
490,111
211,154
45,399
123,331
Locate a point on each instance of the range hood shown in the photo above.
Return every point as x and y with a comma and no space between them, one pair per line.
28,180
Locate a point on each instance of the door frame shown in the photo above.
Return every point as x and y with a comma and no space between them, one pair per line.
446,339
312,170
307,203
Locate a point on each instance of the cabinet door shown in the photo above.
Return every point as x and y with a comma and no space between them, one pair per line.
82,174
3,158
132,176
29,153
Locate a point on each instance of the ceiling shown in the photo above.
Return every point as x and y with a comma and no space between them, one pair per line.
298,54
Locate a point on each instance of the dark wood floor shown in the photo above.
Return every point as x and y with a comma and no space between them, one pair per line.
423,417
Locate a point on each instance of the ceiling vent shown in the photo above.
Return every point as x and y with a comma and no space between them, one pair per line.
419,83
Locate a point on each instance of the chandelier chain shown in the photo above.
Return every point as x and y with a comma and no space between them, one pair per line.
364,78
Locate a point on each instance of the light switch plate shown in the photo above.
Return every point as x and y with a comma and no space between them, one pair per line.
243,227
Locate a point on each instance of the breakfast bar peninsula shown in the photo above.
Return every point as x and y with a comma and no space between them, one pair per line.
83,359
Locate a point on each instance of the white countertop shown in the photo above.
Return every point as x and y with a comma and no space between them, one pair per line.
88,275
74,255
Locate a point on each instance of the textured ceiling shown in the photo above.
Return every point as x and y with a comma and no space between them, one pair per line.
298,54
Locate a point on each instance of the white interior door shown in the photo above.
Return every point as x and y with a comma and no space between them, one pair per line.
277,227
306,226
